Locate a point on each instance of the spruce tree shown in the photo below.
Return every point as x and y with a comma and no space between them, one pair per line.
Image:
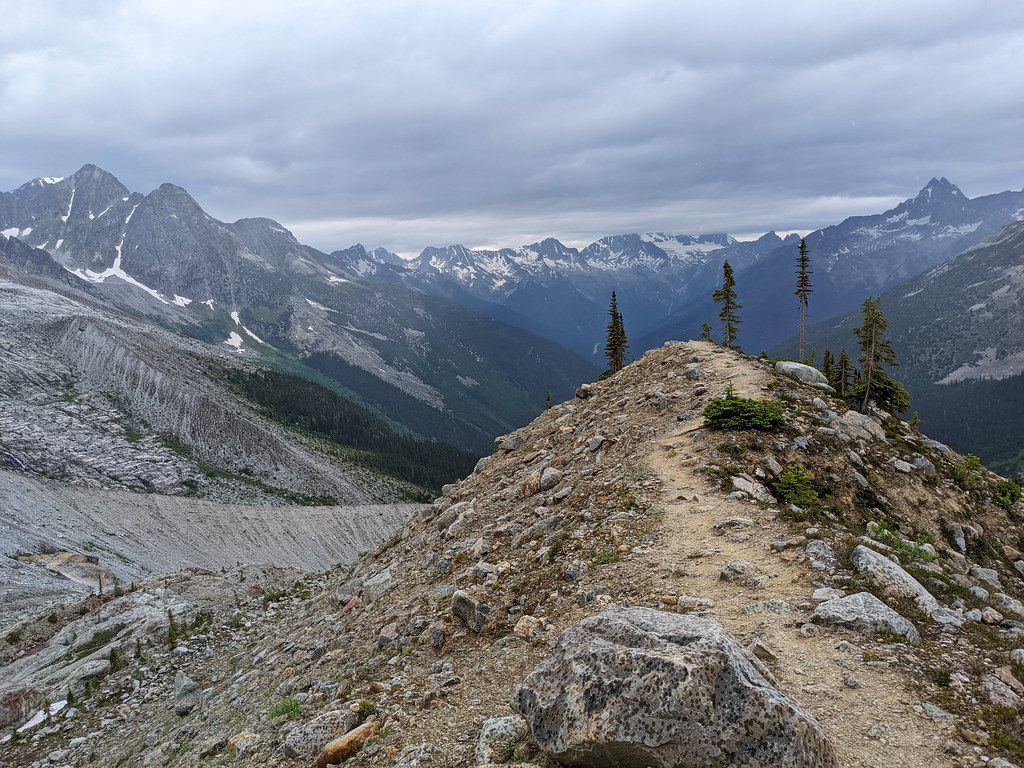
828,365
876,351
726,296
615,338
841,373
803,288
705,332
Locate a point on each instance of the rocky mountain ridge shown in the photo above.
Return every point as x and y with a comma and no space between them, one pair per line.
867,580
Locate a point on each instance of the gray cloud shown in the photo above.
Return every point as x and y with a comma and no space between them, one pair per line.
410,124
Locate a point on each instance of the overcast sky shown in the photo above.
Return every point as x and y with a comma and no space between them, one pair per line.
408,124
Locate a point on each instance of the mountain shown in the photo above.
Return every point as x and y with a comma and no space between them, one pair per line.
958,331
563,293
863,256
98,398
434,368
651,593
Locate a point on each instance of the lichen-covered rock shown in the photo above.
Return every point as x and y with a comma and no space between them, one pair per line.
495,734
307,740
637,687
865,613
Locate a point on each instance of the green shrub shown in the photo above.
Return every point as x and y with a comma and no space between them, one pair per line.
1006,493
289,707
796,486
732,412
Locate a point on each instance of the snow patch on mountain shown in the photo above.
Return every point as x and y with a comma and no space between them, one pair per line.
989,365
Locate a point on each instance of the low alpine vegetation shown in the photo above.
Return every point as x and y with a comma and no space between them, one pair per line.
741,413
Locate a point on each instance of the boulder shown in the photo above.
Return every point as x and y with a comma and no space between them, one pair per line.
549,478
637,687
895,581
802,372
495,734
474,614
862,427
865,613
754,490
306,741
344,747
186,693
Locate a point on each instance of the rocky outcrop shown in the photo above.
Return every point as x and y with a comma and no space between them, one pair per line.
802,372
866,613
634,686
893,580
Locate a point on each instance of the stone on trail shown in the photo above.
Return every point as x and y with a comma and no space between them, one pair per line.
473,613
637,687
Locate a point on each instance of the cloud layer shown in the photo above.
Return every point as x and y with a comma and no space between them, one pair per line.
412,124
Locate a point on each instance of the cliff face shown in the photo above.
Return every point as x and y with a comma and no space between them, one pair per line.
869,576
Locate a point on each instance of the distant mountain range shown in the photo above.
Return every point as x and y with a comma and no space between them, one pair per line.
563,293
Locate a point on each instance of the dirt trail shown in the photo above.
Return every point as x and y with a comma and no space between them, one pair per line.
866,707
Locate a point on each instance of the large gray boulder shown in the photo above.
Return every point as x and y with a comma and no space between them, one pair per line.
802,372
895,581
639,687
866,613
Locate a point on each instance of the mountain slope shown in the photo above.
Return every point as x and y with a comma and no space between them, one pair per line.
863,256
958,331
644,509
254,288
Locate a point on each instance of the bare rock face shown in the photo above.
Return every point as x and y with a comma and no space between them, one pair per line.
639,687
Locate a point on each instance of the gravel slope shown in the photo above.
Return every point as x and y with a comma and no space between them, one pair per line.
135,535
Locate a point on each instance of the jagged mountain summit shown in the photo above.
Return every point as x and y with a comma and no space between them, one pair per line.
433,367
562,292
618,577
860,257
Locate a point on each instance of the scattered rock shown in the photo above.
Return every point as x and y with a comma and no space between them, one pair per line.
474,614
344,747
802,372
307,741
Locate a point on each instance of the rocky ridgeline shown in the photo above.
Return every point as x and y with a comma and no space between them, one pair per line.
616,584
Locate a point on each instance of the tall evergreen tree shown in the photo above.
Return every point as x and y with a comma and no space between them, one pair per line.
842,373
616,345
828,365
726,296
803,288
876,351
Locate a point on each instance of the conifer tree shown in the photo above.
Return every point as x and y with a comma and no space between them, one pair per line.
726,296
803,288
705,332
876,351
842,373
828,365
615,338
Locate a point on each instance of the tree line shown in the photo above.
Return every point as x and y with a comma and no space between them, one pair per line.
870,382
